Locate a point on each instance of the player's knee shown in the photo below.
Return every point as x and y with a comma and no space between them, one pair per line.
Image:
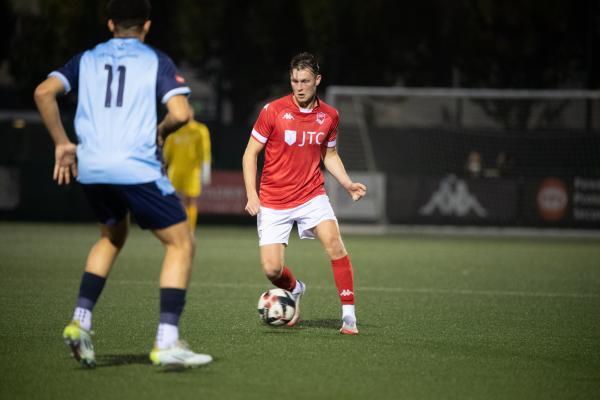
334,247
186,244
116,235
272,268
118,241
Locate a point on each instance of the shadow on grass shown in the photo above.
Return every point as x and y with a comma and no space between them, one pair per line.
279,330
320,323
116,360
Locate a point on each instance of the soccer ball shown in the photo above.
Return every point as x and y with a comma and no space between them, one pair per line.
276,307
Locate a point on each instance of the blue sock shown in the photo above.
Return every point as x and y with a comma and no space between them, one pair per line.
89,290
171,305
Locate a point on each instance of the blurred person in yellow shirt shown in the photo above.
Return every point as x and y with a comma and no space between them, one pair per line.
187,156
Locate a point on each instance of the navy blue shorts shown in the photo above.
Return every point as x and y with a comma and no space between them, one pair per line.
151,208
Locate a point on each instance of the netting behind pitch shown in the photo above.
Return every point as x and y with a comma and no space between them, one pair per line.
486,138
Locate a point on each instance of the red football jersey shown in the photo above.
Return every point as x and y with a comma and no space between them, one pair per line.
293,139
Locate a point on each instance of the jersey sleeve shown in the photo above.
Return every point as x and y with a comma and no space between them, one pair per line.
332,136
169,82
69,73
264,125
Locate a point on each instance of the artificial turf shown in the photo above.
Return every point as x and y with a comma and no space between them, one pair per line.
439,317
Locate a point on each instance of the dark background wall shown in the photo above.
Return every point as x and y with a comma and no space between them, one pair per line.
239,51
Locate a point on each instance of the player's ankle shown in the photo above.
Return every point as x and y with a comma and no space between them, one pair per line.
348,312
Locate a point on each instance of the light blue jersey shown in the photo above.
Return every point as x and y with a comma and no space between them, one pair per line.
118,83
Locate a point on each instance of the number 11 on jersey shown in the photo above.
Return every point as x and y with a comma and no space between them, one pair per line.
120,89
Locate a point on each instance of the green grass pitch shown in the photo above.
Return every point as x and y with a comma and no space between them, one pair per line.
439,317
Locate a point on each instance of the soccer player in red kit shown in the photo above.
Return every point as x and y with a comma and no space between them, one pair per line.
296,132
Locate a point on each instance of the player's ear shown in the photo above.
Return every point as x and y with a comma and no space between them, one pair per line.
147,26
111,25
318,79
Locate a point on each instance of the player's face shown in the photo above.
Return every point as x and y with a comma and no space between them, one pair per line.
304,85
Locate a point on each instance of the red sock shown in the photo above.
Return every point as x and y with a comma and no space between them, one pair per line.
344,279
286,281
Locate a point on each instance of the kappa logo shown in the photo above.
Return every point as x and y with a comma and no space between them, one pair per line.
287,116
346,293
452,198
320,118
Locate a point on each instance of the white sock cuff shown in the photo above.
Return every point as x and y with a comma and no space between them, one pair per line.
348,311
84,316
166,335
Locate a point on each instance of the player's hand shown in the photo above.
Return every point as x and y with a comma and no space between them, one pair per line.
357,190
65,162
206,173
253,205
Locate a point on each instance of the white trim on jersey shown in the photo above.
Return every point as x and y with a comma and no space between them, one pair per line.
331,144
305,110
175,92
62,78
258,136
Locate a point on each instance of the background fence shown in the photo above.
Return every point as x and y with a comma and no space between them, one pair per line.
428,156
472,157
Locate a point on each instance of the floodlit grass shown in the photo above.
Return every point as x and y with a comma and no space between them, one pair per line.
439,317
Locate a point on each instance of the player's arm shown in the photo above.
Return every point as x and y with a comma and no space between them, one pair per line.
335,166
65,162
249,166
168,152
178,114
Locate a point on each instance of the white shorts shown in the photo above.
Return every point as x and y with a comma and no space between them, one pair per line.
274,226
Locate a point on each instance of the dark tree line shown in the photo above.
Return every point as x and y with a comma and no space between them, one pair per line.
243,47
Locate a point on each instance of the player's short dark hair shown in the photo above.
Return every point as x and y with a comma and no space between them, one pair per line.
305,60
128,13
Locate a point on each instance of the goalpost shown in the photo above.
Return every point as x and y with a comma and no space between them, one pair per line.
490,156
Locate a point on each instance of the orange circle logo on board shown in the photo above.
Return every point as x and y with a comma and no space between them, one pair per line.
552,199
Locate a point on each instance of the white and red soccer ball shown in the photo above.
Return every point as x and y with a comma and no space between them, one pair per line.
276,307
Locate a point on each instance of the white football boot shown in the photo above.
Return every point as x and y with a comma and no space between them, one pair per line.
301,289
79,341
179,355
349,326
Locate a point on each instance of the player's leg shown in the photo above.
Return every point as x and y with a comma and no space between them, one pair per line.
316,218
274,268
328,233
174,279
274,227
99,263
156,207
191,209
111,211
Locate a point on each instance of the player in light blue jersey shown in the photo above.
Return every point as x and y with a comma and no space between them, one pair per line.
118,164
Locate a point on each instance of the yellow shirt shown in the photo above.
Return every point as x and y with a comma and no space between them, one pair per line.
185,151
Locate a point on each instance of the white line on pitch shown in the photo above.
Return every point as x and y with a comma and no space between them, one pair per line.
393,289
